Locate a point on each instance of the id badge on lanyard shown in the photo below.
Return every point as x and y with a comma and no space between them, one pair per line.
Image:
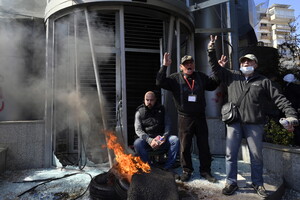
192,97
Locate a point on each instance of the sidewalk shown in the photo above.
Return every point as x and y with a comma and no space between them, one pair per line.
200,188
72,186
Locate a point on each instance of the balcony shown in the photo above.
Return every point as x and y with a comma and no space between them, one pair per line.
281,27
268,28
282,32
279,37
266,37
276,18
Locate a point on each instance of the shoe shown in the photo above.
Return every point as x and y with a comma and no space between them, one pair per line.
185,176
260,190
177,177
208,177
176,165
229,189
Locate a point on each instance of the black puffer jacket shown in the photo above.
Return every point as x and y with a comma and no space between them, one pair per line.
260,93
152,120
150,123
176,83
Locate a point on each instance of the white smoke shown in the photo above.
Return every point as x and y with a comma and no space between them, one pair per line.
23,83
34,8
75,108
20,92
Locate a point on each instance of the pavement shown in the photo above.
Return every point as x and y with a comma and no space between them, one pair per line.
49,184
199,188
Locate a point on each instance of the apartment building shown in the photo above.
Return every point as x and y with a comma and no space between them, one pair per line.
273,25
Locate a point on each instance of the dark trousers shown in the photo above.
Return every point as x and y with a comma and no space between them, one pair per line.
188,127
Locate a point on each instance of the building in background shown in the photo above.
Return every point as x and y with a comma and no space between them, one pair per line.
273,26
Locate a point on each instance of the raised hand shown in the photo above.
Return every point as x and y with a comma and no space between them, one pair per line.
211,44
223,60
167,60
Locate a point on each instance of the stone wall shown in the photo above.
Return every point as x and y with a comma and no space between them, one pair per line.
281,160
25,143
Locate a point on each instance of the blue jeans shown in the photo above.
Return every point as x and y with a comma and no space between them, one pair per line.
253,133
171,145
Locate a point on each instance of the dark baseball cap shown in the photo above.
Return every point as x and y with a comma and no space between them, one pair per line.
186,58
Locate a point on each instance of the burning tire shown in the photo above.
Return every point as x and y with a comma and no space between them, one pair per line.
121,187
102,187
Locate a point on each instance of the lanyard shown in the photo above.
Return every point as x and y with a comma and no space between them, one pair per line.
190,86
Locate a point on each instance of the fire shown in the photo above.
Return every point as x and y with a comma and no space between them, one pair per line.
127,163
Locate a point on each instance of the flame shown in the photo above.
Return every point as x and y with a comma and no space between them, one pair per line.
127,163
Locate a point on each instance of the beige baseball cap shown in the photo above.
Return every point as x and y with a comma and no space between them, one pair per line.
249,56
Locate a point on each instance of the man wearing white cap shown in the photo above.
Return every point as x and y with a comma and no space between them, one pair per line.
252,116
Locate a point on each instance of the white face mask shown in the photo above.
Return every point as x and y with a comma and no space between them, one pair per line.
247,70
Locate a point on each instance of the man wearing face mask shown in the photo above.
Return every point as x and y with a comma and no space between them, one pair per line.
188,88
251,114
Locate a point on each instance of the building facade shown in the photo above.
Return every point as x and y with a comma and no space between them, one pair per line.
97,59
273,26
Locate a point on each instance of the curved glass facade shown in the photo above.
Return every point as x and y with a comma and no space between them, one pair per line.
100,62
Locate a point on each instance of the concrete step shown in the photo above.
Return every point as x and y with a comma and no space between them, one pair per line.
199,188
3,151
